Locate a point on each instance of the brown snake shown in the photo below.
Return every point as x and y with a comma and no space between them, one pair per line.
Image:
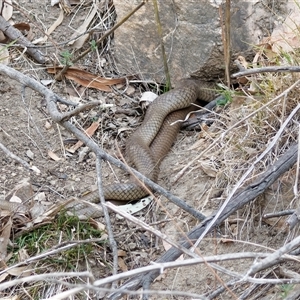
148,145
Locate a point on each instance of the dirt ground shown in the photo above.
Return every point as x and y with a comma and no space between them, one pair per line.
27,131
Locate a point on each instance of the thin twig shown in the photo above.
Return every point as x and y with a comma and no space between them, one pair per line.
15,35
227,44
266,69
187,166
295,188
149,228
112,241
46,276
279,214
162,45
183,263
274,257
53,251
18,159
240,199
79,109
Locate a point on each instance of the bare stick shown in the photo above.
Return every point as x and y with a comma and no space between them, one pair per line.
250,169
14,34
279,214
79,109
162,45
149,228
112,241
227,39
266,69
276,256
18,159
47,276
283,94
15,157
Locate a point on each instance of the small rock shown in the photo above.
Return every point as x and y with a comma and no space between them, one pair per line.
48,125
130,90
53,182
30,154
132,246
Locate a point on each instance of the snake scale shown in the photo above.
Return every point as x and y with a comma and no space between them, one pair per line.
152,140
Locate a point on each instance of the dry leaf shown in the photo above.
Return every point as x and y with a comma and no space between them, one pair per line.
97,225
51,29
48,125
130,90
208,169
53,156
226,241
122,253
6,9
54,2
148,97
78,43
122,264
90,131
88,79
25,28
2,278
4,237
40,197
285,37
15,199
20,271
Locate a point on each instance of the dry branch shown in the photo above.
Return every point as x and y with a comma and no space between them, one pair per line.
15,35
266,69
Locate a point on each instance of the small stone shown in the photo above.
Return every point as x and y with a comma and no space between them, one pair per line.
130,90
53,182
48,125
30,154
132,246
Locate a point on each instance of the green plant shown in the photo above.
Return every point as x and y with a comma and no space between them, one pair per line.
66,58
285,289
93,44
64,228
3,48
227,97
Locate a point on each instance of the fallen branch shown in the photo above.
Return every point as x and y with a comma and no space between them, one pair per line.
266,69
15,35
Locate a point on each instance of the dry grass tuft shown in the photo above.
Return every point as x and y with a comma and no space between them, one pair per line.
242,132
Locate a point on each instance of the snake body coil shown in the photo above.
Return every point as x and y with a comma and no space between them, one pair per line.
148,145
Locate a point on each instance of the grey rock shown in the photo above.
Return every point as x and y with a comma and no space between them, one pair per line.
192,35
